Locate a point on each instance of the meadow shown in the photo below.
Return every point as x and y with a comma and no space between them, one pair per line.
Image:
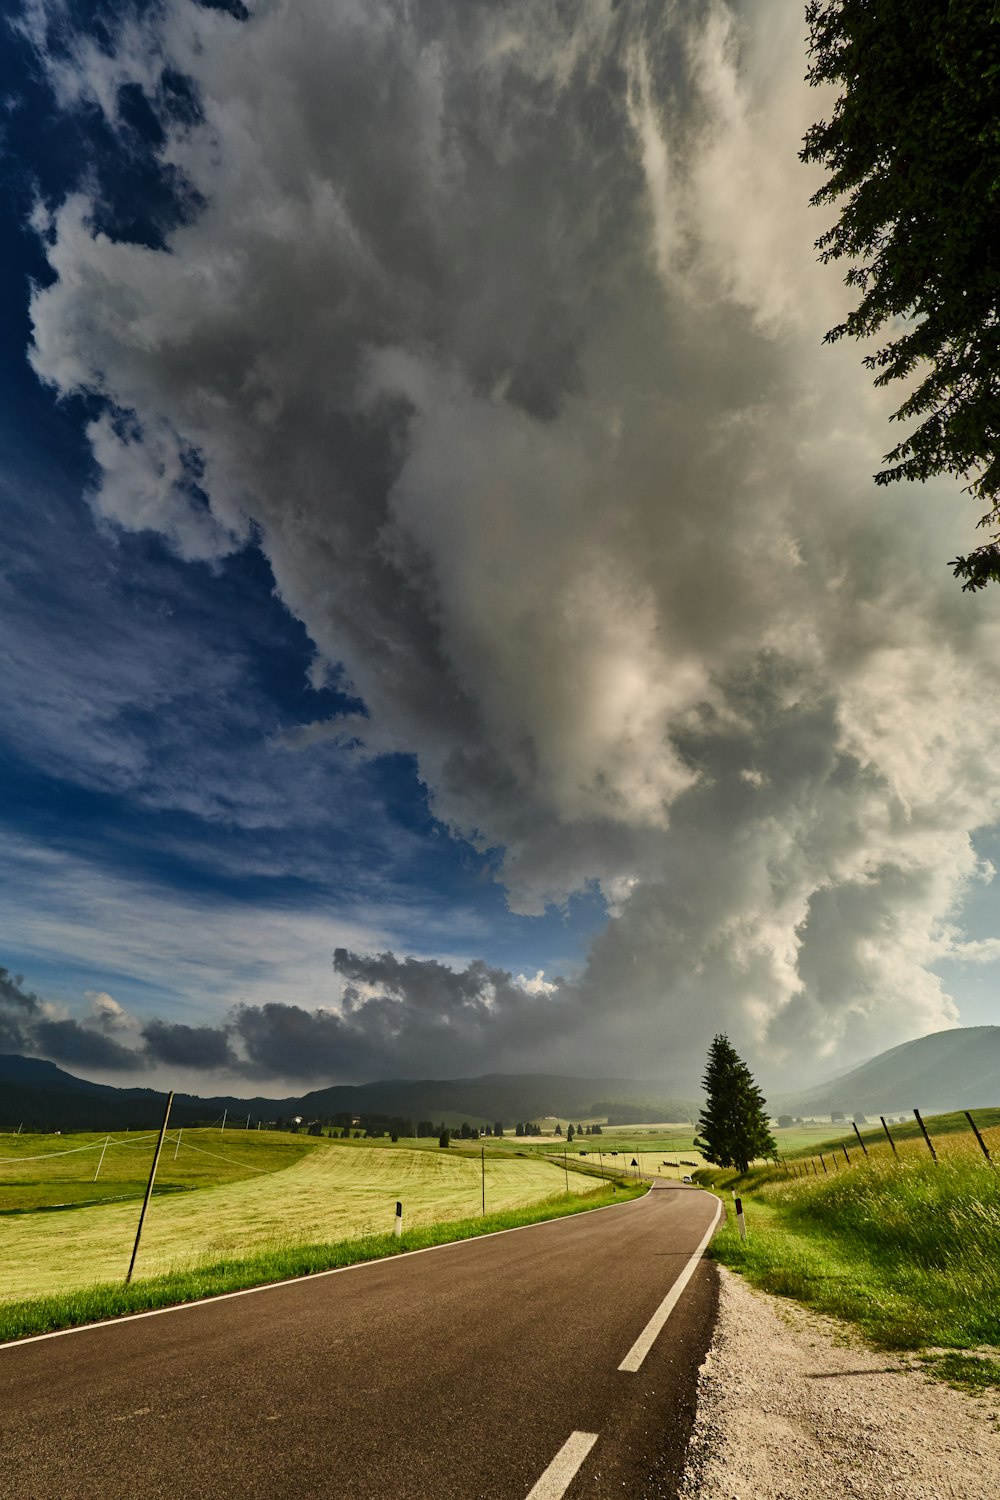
661,1149
225,1196
904,1247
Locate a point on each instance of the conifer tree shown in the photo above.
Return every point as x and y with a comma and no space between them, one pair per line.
734,1123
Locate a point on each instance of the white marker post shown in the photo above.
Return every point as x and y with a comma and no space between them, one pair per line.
741,1223
178,1146
399,1220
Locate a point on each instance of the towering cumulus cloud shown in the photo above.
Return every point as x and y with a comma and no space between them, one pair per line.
498,326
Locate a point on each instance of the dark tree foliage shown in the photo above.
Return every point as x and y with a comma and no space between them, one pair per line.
734,1123
913,152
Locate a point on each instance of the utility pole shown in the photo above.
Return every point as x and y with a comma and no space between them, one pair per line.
224,1114
149,1186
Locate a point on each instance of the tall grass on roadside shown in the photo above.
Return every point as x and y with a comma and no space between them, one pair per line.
277,1263
907,1250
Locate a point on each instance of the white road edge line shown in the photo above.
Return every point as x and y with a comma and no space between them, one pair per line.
559,1475
273,1286
649,1334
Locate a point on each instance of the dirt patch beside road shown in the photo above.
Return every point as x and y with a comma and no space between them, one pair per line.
792,1407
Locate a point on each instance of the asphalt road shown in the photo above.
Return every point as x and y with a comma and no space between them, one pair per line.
461,1373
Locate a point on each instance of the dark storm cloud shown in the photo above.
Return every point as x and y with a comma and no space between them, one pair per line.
18,1009
69,1042
396,1017
187,1046
403,1017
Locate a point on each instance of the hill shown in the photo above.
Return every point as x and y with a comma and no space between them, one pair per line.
42,1096
946,1070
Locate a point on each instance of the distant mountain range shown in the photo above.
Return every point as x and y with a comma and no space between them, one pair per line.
38,1094
946,1070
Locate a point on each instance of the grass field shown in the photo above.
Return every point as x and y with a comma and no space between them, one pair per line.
660,1149
905,1248
255,1191
66,1171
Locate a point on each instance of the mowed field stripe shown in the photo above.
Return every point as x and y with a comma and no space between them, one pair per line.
650,1333
558,1476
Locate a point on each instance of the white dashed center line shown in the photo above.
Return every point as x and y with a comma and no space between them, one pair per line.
559,1474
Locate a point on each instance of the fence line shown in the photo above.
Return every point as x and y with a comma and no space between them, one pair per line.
810,1161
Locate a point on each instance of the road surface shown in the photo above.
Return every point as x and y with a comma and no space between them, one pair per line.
484,1370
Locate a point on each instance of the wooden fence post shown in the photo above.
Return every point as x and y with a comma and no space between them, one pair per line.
927,1138
982,1144
857,1132
888,1132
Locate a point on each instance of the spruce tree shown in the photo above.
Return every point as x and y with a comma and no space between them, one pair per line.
734,1123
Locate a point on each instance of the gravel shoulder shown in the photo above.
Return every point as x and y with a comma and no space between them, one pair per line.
791,1406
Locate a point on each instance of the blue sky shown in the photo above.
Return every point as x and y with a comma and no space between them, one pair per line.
431,526
149,769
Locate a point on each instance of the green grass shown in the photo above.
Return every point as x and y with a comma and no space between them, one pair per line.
905,1249
59,1171
241,1200
45,1314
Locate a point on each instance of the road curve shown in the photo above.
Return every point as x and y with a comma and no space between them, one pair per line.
483,1370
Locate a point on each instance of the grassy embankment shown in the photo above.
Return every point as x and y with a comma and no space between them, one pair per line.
258,1208
905,1248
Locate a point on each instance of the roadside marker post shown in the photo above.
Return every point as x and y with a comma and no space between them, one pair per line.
923,1127
982,1144
888,1132
741,1222
398,1228
857,1132
149,1186
482,1154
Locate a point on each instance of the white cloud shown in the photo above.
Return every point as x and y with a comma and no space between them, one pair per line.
505,331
